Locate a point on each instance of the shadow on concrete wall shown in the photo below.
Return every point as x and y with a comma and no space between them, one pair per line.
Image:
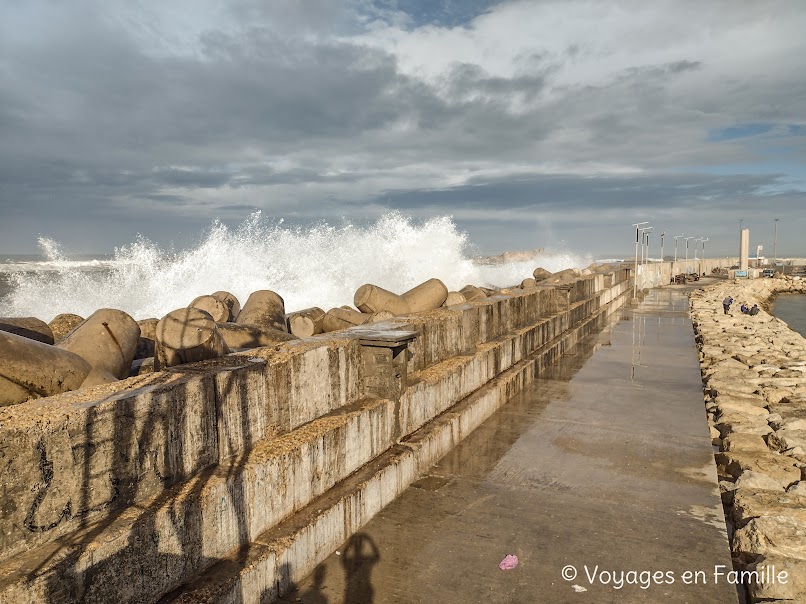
165,534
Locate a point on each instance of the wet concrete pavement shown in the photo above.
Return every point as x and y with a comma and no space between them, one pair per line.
602,467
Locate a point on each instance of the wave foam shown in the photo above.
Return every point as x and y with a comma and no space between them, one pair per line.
321,266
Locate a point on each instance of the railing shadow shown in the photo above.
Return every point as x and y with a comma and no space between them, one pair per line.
169,539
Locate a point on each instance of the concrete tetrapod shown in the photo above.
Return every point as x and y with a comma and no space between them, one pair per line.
454,298
107,340
63,324
381,315
371,298
230,301
568,274
307,322
27,327
471,292
148,338
142,366
342,318
264,308
541,274
426,296
213,307
187,335
251,336
30,369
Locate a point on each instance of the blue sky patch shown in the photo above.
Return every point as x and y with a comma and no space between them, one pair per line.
739,131
444,13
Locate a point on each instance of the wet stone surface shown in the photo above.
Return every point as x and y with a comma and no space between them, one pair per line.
604,464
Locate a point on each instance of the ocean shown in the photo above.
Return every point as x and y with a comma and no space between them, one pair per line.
791,308
318,266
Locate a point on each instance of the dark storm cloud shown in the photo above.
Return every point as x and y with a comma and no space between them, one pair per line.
92,125
570,193
182,112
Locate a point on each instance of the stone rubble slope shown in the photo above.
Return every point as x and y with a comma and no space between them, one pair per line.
754,376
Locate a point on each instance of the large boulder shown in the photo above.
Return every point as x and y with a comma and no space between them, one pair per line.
31,369
771,535
454,298
343,318
472,293
107,340
263,308
426,296
307,322
237,336
769,585
230,301
63,324
212,306
371,298
27,327
541,274
187,335
147,343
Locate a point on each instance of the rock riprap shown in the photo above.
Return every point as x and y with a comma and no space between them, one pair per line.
754,376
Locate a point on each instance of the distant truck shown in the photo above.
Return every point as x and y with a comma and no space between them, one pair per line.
768,272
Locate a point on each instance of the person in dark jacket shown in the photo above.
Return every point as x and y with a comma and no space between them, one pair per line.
726,304
754,311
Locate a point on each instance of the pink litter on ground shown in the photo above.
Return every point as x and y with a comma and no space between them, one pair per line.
509,562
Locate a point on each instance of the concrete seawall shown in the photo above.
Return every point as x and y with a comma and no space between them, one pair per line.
657,274
224,481
125,492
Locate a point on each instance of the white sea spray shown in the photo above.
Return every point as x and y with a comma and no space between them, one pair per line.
321,265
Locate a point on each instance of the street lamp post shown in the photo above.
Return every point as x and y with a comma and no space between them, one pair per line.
662,235
687,238
676,237
635,275
696,244
645,244
702,254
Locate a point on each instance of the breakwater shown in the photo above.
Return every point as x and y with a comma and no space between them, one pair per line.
754,375
225,480
658,274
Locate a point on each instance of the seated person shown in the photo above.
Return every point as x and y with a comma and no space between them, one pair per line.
754,311
744,308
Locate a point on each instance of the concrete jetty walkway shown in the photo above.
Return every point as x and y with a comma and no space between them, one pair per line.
600,473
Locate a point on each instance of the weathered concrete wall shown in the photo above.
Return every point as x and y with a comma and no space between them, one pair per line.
657,274
289,552
123,492
80,457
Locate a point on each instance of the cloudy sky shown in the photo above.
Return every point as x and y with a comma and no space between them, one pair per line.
533,123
